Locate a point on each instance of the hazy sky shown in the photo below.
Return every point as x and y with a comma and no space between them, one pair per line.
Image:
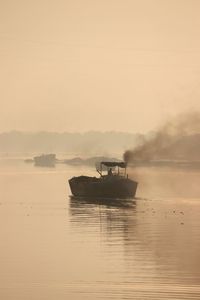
77,65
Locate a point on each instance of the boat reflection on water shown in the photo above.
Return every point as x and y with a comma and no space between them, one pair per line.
150,236
110,216
107,202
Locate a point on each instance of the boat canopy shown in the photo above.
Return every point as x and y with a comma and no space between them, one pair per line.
111,164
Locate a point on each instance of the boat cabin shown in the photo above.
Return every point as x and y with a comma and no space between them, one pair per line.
112,168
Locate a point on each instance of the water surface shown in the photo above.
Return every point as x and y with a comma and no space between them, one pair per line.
57,247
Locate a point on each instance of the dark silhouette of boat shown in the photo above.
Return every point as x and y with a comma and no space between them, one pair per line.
28,160
115,184
45,160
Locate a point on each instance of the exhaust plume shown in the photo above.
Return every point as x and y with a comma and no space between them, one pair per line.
177,139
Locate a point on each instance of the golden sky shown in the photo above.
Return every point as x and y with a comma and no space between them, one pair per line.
83,65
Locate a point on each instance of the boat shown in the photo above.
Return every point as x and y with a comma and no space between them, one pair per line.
114,184
28,160
45,160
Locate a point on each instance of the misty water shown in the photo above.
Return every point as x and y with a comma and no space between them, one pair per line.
55,247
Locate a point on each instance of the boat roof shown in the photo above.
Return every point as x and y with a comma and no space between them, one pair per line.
120,164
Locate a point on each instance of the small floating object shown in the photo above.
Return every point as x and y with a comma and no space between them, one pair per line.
45,160
114,184
29,160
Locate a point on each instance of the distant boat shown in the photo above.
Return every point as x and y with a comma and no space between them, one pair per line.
28,160
114,184
45,160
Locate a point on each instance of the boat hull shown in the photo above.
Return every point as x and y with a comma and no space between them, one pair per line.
84,186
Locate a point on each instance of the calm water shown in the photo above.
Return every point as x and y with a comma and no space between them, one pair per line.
54,247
